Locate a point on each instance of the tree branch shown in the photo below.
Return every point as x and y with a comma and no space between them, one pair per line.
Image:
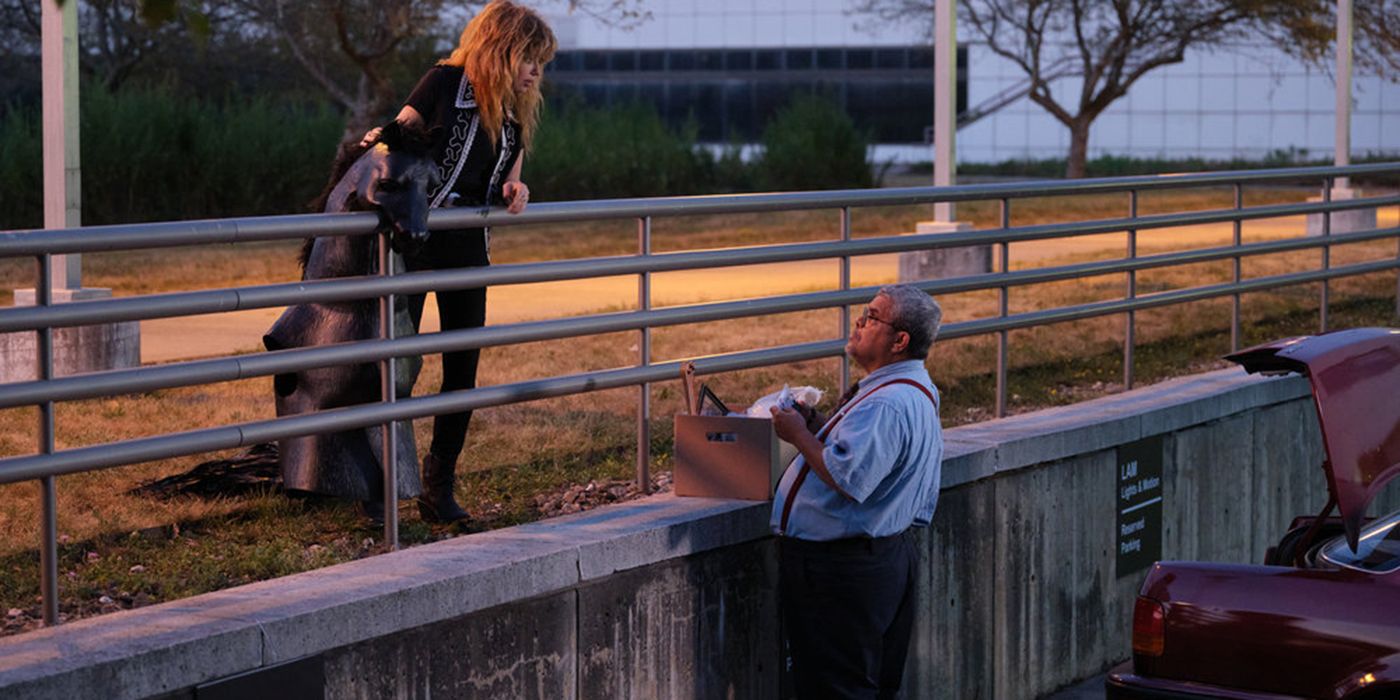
336,91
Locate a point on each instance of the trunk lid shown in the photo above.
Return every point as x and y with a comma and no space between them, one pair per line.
1355,377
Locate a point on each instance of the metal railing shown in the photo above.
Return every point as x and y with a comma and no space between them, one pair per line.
43,392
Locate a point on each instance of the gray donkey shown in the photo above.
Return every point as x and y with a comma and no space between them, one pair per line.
391,176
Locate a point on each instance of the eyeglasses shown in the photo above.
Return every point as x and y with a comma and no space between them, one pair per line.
866,317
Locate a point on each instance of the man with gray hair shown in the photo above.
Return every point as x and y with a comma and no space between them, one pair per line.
846,555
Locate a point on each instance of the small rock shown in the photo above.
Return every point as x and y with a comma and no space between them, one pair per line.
105,600
137,569
15,612
367,542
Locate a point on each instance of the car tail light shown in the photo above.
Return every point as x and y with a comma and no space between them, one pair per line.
1149,627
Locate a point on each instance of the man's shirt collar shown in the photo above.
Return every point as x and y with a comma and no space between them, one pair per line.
893,369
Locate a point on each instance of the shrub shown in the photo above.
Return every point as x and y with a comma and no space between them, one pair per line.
813,145
151,155
627,151
21,172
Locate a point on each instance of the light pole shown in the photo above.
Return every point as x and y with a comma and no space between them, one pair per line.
944,262
70,350
1345,220
62,169
945,103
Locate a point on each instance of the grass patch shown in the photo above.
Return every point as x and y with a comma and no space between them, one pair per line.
172,553
121,550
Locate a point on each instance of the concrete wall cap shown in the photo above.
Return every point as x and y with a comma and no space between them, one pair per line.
154,650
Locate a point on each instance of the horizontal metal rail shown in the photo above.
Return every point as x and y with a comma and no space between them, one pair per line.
147,307
44,317
250,229
247,434
95,384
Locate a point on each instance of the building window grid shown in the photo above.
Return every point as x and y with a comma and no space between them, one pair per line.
815,60
752,84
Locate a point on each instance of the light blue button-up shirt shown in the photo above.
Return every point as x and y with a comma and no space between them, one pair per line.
886,453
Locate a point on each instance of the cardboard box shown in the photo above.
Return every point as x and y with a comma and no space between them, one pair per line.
728,457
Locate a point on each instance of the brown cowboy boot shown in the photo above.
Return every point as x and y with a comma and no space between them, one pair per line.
436,504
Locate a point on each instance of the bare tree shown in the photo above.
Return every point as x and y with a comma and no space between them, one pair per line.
353,48
1109,44
116,38
19,27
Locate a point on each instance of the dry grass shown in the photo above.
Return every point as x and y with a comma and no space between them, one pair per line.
229,265
515,451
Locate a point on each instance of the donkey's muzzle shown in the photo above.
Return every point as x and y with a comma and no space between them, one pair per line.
408,243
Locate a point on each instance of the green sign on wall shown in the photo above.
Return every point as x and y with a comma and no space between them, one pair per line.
1138,482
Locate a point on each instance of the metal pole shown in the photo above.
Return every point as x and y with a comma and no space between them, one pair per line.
48,547
62,171
1235,304
1130,322
1003,305
1326,258
644,350
389,449
1342,156
845,328
945,102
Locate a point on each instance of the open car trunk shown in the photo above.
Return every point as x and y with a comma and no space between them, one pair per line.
1355,376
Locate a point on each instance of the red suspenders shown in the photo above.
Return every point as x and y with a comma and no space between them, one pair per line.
826,430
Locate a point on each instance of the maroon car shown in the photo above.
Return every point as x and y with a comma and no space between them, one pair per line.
1321,618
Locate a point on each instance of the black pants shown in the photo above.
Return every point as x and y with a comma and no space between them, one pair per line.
848,607
457,309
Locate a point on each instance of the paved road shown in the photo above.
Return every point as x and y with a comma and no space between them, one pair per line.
165,340
1091,689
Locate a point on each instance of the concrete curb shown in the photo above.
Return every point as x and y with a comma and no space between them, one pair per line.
176,645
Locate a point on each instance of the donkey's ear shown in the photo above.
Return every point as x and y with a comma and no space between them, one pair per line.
391,134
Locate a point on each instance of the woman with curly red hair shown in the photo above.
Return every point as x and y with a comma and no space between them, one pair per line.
483,103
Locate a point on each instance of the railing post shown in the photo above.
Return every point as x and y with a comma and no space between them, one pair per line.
644,350
1003,307
48,486
389,449
845,320
1239,240
1130,319
1326,256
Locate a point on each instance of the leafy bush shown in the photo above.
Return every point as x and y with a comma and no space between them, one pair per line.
150,155
590,153
813,145
21,174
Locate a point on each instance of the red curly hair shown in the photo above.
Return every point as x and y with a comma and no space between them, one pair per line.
493,45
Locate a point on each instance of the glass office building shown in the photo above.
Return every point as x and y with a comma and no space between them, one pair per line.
729,94
731,63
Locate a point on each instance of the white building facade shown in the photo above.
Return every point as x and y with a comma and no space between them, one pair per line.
1228,102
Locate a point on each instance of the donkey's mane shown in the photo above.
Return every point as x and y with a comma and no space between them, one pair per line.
397,136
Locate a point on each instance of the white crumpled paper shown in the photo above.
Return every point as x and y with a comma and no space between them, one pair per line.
784,398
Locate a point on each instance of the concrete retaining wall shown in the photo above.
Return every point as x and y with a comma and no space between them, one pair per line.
674,598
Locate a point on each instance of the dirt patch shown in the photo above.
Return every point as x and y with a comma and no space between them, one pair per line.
577,498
